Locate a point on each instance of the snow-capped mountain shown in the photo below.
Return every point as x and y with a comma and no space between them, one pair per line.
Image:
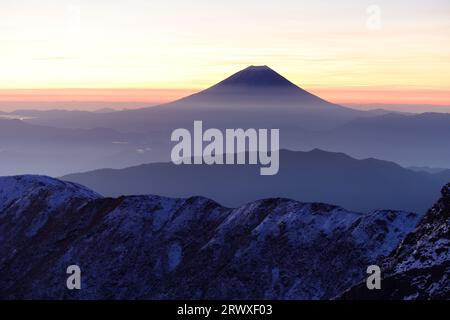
153,247
419,268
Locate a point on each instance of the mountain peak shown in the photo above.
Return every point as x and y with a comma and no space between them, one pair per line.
263,67
257,76
259,86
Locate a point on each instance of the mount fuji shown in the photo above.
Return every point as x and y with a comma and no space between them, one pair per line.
260,86
255,97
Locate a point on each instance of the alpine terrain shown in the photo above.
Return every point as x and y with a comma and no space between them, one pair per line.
152,247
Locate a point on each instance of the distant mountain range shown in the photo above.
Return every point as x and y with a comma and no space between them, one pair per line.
29,148
428,169
151,247
315,176
405,139
256,97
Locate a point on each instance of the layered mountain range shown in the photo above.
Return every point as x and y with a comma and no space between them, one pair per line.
285,236
255,97
153,247
315,176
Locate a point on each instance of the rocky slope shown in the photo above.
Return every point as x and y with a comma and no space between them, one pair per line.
419,268
151,247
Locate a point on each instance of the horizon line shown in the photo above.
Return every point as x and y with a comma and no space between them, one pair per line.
91,99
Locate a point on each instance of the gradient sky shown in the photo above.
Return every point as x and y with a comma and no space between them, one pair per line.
154,51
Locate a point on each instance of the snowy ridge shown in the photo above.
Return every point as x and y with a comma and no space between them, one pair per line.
428,246
385,229
153,247
15,188
419,268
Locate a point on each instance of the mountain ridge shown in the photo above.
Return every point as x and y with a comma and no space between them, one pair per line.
305,122
314,176
419,268
152,247
263,76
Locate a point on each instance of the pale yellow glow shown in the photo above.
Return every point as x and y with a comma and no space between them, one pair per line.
151,44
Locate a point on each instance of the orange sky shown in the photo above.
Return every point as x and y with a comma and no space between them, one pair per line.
117,98
149,52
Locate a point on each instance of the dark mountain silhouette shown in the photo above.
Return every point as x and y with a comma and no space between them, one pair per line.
256,97
422,139
253,97
260,86
315,176
253,77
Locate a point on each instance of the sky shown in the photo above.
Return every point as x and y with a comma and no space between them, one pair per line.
84,54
